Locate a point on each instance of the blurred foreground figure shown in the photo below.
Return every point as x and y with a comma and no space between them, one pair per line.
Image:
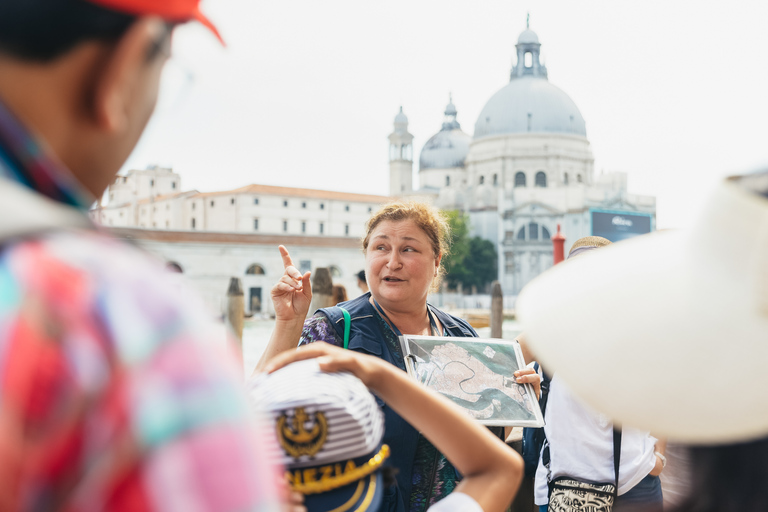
112,396
668,332
583,445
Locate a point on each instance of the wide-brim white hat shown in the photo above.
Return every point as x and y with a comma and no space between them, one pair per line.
667,331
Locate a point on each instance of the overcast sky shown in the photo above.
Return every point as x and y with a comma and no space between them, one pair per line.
675,93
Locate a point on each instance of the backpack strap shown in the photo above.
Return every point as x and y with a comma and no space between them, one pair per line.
347,322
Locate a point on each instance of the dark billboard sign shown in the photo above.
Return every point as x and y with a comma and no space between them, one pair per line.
616,225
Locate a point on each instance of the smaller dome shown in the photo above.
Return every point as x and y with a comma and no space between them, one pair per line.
449,147
445,150
528,36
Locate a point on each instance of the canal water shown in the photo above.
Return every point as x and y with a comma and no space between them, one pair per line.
256,333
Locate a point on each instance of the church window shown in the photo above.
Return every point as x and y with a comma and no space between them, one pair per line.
255,270
541,179
482,179
193,223
528,59
303,204
533,231
545,233
303,226
346,208
255,224
495,179
232,201
447,181
370,210
521,233
173,184
565,178
151,183
285,203
509,263
346,229
255,200
322,206
578,178
212,203
285,226
520,179
322,228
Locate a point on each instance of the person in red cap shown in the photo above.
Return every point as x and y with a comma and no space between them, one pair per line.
114,394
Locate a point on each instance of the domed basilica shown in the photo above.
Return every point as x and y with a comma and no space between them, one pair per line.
527,170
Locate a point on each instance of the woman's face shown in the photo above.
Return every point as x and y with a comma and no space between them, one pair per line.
400,265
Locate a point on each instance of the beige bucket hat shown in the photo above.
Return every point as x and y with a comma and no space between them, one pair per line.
667,331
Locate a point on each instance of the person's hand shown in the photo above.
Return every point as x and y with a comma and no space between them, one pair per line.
292,294
529,376
295,503
334,359
657,469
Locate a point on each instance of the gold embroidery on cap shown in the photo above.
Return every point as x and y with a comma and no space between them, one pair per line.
295,439
318,479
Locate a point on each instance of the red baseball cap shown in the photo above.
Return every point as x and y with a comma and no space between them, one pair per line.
172,10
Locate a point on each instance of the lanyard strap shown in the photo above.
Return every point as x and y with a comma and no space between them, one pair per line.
432,325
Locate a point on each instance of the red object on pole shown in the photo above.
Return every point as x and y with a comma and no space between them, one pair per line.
558,246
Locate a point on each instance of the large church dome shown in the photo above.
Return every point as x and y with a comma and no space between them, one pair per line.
529,103
449,147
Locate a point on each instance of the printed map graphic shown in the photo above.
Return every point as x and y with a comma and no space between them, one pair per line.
478,375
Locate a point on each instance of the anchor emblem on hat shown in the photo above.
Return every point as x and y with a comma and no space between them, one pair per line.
297,439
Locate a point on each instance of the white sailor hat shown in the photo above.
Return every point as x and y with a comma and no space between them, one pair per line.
329,429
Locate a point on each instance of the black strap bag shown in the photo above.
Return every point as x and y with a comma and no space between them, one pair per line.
567,494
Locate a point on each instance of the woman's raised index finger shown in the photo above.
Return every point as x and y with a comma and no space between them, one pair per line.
287,261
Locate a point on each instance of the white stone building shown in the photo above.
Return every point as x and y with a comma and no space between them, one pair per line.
152,199
213,236
527,169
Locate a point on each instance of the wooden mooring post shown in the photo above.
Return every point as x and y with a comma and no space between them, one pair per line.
497,310
236,310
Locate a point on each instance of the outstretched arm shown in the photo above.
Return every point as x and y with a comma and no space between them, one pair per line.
492,471
291,296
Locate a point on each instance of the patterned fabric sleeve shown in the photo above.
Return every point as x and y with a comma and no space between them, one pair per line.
319,328
114,391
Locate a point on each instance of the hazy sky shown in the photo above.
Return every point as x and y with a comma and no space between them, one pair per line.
675,93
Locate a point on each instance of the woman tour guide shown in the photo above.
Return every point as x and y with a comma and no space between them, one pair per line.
404,245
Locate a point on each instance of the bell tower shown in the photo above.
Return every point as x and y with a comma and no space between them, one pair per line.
400,157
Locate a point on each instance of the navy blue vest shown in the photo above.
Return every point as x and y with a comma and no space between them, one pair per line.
365,336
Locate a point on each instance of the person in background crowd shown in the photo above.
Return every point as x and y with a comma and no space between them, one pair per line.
114,394
361,282
404,246
491,471
338,294
667,332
